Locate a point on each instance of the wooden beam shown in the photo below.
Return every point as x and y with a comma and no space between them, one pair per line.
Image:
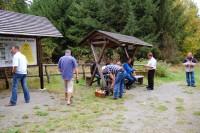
98,42
98,60
39,58
6,78
126,52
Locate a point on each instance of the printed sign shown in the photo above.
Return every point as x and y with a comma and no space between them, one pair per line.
27,47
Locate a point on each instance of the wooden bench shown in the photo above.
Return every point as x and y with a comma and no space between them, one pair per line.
139,79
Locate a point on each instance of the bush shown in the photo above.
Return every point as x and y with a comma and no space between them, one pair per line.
162,69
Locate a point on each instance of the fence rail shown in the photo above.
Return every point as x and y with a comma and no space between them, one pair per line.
6,73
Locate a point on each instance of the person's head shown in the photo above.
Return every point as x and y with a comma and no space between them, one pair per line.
67,52
118,63
189,55
150,55
14,49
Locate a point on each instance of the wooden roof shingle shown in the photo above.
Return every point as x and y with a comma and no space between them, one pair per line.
13,23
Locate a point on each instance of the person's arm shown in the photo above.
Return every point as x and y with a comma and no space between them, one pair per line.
112,76
76,71
75,68
193,62
185,63
15,64
148,65
128,68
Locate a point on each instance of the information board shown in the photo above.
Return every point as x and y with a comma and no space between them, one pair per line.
27,47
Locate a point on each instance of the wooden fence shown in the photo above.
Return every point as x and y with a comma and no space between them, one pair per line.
52,70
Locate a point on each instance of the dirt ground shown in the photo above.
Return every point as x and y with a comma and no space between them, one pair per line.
25,112
170,108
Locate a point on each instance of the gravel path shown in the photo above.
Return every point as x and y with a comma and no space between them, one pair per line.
171,108
27,113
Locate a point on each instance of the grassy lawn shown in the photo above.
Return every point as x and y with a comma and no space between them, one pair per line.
86,114
177,74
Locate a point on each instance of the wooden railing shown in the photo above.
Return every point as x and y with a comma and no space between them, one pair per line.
84,70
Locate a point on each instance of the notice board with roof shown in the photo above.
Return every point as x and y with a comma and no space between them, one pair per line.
25,31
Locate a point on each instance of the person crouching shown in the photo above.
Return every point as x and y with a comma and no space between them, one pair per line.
116,74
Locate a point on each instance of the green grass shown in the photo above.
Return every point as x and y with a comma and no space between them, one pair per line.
41,113
177,74
83,115
180,104
180,108
179,100
162,108
197,113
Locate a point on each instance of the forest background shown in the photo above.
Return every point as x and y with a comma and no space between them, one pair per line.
172,26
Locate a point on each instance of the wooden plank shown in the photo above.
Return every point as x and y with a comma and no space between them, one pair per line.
98,60
98,42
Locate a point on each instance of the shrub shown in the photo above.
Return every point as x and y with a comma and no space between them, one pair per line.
162,69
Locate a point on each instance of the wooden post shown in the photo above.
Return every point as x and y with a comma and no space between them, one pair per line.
6,78
47,74
134,51
98,60
39,58
127,55
83,70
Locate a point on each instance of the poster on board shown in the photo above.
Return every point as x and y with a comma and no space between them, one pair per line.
27,47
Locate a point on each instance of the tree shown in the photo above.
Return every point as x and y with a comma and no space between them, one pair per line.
191,42
14,5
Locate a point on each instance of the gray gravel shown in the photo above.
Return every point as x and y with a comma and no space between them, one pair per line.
168,109
26,113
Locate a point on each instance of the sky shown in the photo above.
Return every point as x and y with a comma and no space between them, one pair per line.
197,2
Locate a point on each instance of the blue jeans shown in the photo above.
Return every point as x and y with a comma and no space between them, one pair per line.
119,85
130,78
22,79
190,78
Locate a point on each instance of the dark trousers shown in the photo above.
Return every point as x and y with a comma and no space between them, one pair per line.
151,74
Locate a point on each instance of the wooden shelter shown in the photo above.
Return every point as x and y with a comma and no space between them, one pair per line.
18,26
104,39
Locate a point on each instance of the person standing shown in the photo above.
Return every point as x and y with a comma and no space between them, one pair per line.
189,64
19,71
67,65
151,67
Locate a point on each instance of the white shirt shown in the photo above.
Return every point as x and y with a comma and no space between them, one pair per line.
20,61
152,63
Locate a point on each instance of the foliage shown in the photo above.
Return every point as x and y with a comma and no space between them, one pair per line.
192,28
162,69
14,5
172,26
